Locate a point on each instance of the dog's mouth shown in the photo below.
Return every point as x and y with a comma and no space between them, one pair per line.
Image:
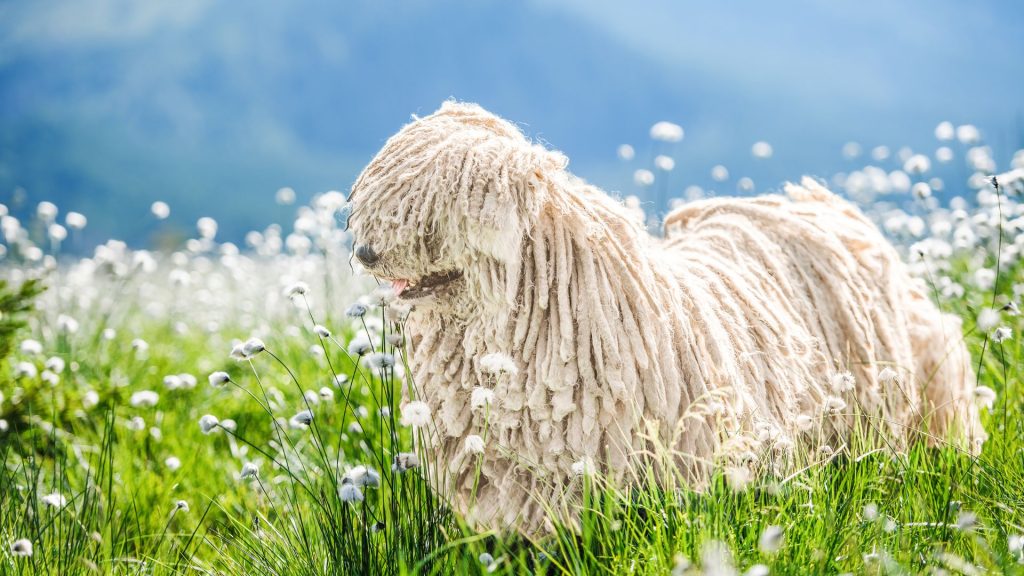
424,286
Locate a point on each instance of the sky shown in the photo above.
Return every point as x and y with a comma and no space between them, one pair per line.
109,105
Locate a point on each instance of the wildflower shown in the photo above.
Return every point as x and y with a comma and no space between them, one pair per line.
921,190
664,163
109,333
363,476
249,470
804,422
31,347
302,419
966,521
50,378
218,379
870,512
21,547
228,424
90,399
181,505
416,414
738,477
968,134
4,426
757,570
25,370
481,397
716,558
349,492
144,399
395,340
667,132
55,364
312,398
984,278
497,364
385,412
917,164
834,405
761,150
207,227
252,347
405,461
944,131
985,396
888,376
474,444
172,382
1011,308
57,500
188,381
172,463
136,424
485,559
719,173
1002,333
643,177
842,382
67,324
1015,544
160,209
356,311
680,565
360,345
626,152
140,346
825,451
584,466
208,423
340,379
771,540
296,289
75,220
322,331
238,351
380,360
326,394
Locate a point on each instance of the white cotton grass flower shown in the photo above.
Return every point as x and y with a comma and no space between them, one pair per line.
643,177
181,505
405,461
349,492
136,424
583,467
834,405
326,394
1001,334
761,150
219,378
716,559
172,463
968,134
160,209
144,399
56,500
31,347
481,397
379,360
1015,545
984,278
497,363
229,424
75,220
804,422
311,397
21,547
921,190
870,512
917,164
360,345
852,150
665,131
988,319
25,370
842,382
249,470
945,131
888,376
207,227
46,211
1011,307
415,414
485,559
680,565
55,364
285,196
719,173
664,163
356,310
770,540
474,444
626,152
296,289
301,420
364,477
172,382
50,378
252,347
321,331
966,521
90,399
984,396
208,423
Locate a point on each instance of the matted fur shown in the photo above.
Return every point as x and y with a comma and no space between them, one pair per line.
710,343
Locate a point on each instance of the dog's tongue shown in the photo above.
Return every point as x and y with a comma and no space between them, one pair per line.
399,285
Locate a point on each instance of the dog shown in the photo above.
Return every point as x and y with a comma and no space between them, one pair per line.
755,330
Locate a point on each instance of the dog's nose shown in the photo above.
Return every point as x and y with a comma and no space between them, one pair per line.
366,255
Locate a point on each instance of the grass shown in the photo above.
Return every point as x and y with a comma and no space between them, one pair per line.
131,510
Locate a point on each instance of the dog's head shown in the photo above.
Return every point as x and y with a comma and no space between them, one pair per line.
443,208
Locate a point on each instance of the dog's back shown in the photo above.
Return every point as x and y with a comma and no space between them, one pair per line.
815,259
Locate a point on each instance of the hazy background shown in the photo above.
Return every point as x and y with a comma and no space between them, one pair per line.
108,105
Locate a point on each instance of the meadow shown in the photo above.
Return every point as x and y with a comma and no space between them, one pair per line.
223,409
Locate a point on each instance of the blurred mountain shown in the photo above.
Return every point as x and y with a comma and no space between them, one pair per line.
108,105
